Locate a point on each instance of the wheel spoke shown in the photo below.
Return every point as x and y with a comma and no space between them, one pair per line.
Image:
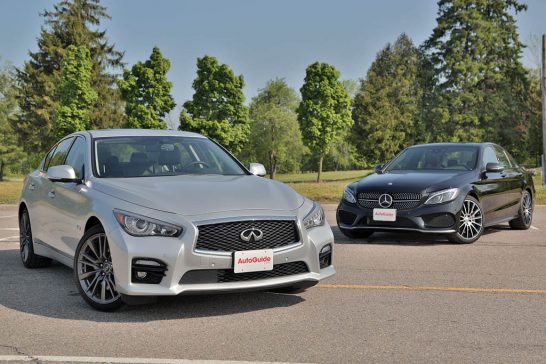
89,274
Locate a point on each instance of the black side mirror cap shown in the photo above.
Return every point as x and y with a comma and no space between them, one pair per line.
379,168
494,168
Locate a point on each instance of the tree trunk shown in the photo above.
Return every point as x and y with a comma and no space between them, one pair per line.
272,165
319,176
1,171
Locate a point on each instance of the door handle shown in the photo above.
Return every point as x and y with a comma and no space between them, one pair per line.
51,194
32,186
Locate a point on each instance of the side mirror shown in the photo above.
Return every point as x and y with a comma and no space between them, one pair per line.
379,168
257,169
493,168
64,173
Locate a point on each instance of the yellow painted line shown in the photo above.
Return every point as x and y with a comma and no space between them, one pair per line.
432,288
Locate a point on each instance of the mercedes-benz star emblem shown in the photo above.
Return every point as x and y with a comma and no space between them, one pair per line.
385,200
252,235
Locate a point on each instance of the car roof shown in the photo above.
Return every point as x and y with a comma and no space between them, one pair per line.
107,133
452,144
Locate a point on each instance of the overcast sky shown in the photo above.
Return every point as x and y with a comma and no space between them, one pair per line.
260,39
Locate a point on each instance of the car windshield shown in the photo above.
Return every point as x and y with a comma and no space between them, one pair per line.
161,156
431,157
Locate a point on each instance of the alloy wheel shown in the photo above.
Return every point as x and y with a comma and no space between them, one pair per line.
25,237
527,208
470,220
95,270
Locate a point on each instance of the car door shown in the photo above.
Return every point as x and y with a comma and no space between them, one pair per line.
511,196
69,205
48,221
492,185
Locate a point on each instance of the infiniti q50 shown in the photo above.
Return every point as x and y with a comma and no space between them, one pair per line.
456,189
141,213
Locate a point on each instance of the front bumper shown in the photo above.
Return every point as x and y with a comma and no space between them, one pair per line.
437,219
180,257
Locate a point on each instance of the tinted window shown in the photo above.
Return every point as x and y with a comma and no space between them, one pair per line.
503,159
76,156
47,158
60,153
161,156
436,157
489,156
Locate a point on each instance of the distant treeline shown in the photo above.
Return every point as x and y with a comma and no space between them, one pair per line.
466,82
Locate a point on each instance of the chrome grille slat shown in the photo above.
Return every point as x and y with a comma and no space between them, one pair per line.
226,236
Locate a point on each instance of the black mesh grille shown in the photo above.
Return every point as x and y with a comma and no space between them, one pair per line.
227,236
346,217
227,275
401,200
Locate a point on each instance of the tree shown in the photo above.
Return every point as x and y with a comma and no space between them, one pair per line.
74,92
274,131
146,92
387,108
71,22
482,86
324,111
10,151
216,109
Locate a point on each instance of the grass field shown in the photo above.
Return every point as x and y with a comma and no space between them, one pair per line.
328,191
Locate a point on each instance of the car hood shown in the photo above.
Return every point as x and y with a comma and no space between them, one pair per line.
195,195
412,181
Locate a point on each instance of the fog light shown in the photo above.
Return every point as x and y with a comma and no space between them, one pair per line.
325,256
141,275
148,270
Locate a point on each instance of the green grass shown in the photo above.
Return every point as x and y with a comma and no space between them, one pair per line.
540,197
10,190
326,176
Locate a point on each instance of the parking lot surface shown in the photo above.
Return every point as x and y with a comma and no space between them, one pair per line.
396,298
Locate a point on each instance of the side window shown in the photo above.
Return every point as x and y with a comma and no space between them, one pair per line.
489,156
45,162
60,153
503,159
76,156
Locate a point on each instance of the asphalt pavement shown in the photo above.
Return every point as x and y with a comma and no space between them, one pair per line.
396,298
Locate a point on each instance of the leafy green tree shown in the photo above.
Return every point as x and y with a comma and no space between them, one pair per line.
325,110
481,86
274,131
146,92
387,108
10,151
74,92
71,22
217,108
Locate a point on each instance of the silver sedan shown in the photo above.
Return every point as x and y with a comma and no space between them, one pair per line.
140,213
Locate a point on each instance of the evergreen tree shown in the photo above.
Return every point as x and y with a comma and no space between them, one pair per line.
71,22
146,92
74,92
275,135
216,109
10,151
481,83
387,108
324,112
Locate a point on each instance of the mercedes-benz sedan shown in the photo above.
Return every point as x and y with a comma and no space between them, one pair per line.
456,189
140,213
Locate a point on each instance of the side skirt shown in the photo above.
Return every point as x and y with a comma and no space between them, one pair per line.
47,250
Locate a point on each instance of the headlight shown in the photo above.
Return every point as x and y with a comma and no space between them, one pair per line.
137,225
314,218
442,196
348,195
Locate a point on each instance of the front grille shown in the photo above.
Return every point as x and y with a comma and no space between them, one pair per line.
227,236
346,217
401,200
228,275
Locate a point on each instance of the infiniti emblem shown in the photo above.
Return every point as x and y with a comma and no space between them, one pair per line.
252,235
385,200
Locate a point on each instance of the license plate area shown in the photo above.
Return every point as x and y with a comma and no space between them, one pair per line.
253,261
384,214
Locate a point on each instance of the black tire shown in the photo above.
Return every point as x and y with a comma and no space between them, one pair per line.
356,234
525,213
26,244
467,229
102,276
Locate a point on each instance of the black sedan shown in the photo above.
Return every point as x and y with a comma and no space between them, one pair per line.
456,189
